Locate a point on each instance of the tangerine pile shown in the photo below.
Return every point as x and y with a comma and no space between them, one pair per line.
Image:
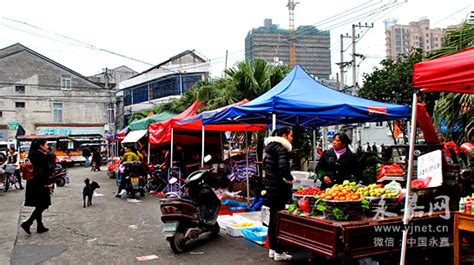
345,192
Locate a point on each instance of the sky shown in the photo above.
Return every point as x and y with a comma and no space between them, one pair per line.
76,33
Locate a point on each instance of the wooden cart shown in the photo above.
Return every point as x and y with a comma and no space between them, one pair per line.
351,240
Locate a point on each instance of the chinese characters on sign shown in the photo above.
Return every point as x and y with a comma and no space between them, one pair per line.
441,203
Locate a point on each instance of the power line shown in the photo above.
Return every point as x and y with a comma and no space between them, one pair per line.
82,43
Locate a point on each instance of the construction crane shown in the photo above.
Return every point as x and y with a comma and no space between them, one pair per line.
291,9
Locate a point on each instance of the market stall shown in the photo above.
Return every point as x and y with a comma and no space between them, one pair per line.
346,241
165,131
451,73
299,100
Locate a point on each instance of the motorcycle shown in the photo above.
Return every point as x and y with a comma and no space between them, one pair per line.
60,176
192,216
134,178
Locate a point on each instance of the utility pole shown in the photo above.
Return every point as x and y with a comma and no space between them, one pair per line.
291,9
226,57
354,65
355,135
110,111
342,64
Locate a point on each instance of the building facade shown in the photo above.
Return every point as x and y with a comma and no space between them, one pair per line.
161,83
45,97
400,39
271,43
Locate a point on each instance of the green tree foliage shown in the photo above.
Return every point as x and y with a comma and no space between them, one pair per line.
393,83
456,109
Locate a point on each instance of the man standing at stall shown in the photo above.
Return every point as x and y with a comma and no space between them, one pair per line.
278,183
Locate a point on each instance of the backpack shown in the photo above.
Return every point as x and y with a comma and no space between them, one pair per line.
27,171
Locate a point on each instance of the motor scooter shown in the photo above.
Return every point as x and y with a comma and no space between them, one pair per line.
60,176
134,179
191,214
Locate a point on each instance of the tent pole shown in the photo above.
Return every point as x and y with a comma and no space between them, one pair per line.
314,147
406,214
247,167
171,149
325,138
202,146
274,120
148,157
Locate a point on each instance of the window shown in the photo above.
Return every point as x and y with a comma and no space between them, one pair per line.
58,112
20,89
19,104
379,124
1,114
66,82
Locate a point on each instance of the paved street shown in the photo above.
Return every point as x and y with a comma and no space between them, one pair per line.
112,231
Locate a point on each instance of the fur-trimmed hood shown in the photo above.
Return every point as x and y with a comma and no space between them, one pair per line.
280,140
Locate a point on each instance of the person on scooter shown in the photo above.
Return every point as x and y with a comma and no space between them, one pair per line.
13,158
130,156
278,184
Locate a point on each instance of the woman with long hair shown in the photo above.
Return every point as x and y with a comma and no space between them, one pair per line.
38,188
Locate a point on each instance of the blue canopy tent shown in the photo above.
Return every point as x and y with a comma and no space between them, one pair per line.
300,100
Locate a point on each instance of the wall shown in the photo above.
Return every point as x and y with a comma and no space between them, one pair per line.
84,103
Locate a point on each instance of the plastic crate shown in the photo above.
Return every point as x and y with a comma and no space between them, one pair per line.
256,234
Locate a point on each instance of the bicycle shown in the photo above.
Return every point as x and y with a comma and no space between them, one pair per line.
10,178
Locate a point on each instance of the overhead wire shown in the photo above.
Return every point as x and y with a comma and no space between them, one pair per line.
80,43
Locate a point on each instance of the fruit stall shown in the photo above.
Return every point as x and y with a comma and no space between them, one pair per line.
352,221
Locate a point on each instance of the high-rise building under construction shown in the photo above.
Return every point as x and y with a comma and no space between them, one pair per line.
272,43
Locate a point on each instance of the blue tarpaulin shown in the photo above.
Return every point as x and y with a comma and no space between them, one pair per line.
300,100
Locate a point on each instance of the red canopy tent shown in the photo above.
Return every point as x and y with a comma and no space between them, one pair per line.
450,73
197,125
160,132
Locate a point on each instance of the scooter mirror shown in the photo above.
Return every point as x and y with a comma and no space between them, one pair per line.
207,158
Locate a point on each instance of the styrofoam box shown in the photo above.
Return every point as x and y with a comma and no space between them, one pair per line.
236,232
298,175
225,220
254,217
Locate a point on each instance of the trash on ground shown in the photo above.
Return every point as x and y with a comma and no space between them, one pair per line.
148,257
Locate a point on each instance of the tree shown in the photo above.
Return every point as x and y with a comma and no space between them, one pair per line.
455,109
393,83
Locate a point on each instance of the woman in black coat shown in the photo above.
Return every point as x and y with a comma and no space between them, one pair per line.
338,163
278,183
37,189
96,159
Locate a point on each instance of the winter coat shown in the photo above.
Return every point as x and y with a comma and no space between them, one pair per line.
337,170
86,152
37,193
97,158
277,171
